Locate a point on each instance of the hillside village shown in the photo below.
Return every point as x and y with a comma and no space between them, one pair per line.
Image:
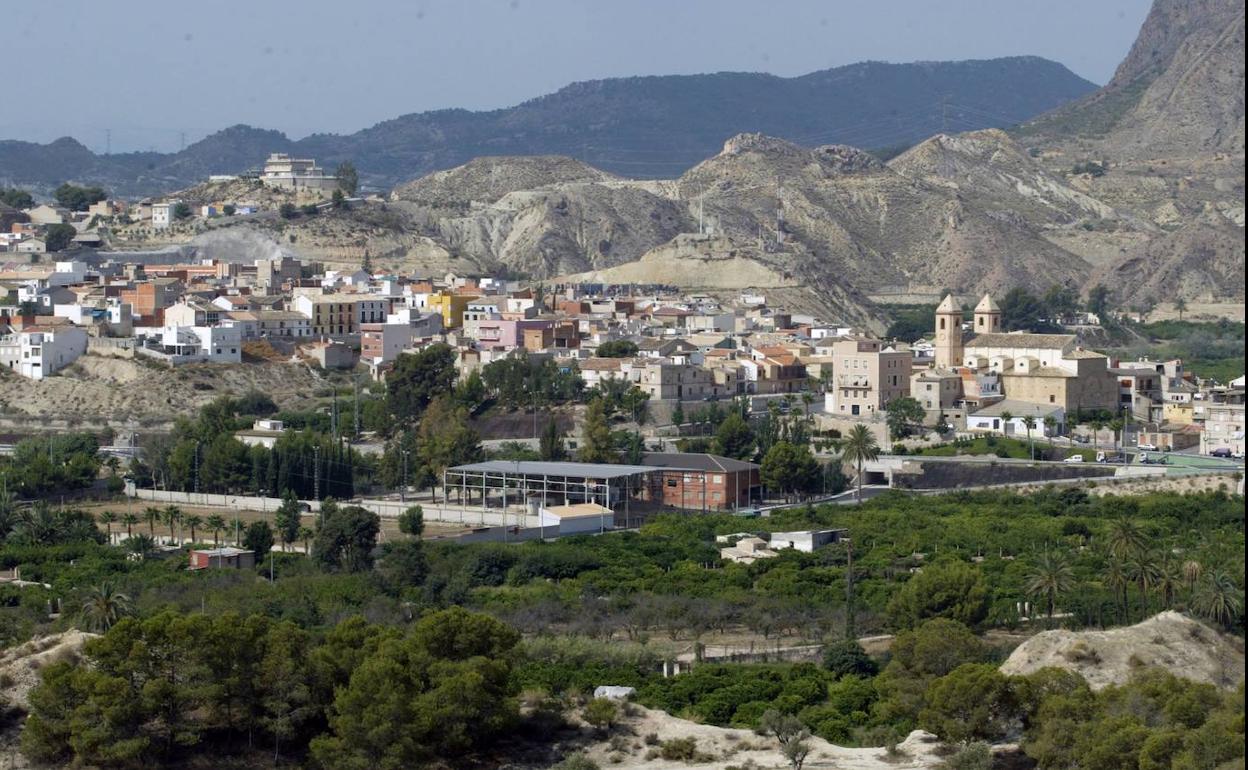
970,377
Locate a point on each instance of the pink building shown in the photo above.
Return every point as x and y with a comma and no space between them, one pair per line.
506,333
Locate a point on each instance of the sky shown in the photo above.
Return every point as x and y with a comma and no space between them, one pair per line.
152,75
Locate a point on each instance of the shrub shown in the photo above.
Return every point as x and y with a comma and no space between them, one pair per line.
971,756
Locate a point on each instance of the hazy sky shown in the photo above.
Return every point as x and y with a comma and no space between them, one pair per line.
153,71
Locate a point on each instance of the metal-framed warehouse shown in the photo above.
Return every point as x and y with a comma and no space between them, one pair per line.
537,485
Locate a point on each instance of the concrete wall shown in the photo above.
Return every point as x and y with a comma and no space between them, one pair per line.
954,475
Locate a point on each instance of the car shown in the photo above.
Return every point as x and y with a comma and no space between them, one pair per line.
1147,447
1074,459
1082,439
1223,452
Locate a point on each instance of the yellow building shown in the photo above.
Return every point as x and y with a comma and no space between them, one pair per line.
1180,413
451,306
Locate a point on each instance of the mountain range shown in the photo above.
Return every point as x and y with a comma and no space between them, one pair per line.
639,127
1098,191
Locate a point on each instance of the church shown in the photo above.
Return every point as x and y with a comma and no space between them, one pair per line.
989,371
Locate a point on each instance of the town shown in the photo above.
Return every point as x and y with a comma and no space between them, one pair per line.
541,387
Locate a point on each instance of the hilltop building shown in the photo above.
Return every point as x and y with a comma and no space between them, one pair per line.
297,175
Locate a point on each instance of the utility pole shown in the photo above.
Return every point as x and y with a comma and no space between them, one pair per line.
197,467
316,472
403,453
355,384
849,590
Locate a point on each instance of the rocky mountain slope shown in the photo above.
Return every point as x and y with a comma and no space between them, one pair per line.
637,127
1168,131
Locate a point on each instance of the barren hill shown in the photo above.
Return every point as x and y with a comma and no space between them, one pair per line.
1182,646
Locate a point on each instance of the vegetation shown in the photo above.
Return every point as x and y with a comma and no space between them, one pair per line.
58,236
77,198
1213,349
348,178
191,662
15,198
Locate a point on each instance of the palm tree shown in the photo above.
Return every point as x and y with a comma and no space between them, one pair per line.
1096,426
1220,598
129,519
108,518
1006,416
306,534
1192,571
152,514
1050,577
1180,305
1050,425
103,607
1169,578
1144,572
1115,426
1116,581
171,515
1029,423
860,447
141,546
216,524
193,521
1124,538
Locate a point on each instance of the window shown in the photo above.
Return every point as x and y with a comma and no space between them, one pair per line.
1052,399
942,324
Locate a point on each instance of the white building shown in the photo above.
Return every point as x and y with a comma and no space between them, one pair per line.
39,353
297,174
992,419
162,214
1224,429
200,344
263,433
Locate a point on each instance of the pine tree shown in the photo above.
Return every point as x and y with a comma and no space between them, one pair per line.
596,436
551,443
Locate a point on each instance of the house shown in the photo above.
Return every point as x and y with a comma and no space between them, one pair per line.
297,175
222,558
868,375
263,433
192,312
32,245
805,541
747,550
1224,429
993,419
331,355
381,343
36,352
705,481
164,214
195,344
43,214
